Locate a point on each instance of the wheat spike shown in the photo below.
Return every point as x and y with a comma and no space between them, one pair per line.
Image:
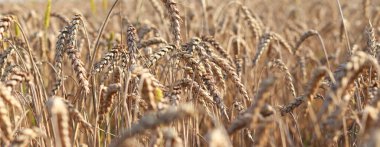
157,55
278,63
107,100
106,59
60,121
5,123
252,113
24,136
5,23
253,24
175,19
312,87
77,116
152,41
7,97
223,64
154,119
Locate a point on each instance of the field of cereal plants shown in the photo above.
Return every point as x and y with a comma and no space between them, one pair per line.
183,73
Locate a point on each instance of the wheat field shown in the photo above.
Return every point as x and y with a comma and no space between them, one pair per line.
184,73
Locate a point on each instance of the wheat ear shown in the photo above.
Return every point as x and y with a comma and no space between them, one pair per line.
107,100
253,24
77,116
107,58
152,41
312,87
5,122
252,113
153,120
5,23
7,97
279,64
175,19
60,121
223,64
25,135
74,54
157,55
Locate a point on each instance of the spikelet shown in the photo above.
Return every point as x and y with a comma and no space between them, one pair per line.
252,113
74,55
9,69
371,40
4,56
58,83
302,65
5,123
24,136
218,74
312,87
153,120
107,100
60,121
108,57
5,23
131,43
60,47
171,7
157,55
124,57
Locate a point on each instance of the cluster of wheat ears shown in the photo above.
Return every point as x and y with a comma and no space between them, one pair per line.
212,73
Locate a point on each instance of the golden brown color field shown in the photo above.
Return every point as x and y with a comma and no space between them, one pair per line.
181,73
